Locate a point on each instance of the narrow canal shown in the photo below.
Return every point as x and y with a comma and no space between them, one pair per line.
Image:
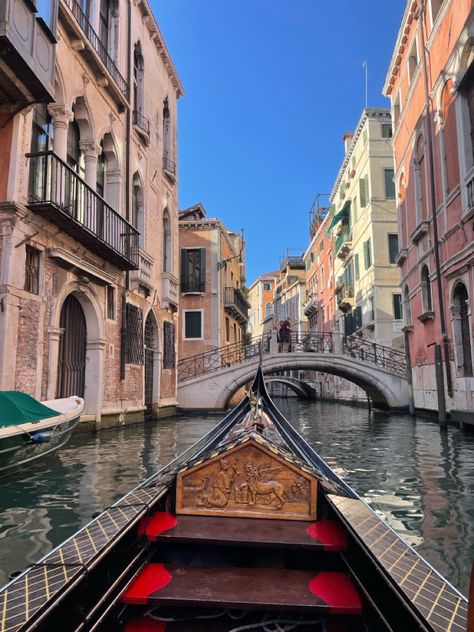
420,478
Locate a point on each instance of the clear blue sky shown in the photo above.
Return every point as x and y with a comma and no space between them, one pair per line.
271,86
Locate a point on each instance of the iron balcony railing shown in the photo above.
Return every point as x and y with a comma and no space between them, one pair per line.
346,235
169,165
141,122
223,357
57,192
391,360
97,45
234,298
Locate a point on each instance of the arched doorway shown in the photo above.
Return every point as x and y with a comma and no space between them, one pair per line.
151,369
462,334
72,349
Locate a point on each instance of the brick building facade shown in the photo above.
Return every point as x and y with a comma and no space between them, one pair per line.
88,220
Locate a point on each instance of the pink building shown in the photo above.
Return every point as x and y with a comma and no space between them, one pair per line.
432,95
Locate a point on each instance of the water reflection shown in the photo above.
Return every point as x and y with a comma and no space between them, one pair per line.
419,478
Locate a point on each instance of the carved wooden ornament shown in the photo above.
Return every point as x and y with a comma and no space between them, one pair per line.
247,480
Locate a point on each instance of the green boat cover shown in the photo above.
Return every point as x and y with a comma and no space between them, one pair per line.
20,408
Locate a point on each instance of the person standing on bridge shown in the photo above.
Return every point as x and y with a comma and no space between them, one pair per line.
284,336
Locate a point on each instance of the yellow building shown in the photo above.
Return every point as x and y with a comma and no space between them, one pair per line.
365,232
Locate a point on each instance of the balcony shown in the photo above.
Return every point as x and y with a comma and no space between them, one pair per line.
236,305
169,291
401,256
141,126
89,44
343,243
27,54
311,307
421,230
58,194
169,169
345,296
292,262
143,275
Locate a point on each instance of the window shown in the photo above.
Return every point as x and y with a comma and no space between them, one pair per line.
358,317
397,306
392,247
235,332
356,266
435,7
167,256
386,129
227,330
267,287
420,180
426,289
42,131
371,308
413,61
462,331
169,355
104,14
75,155
321,246
323,286
364,191
110,302
268,309
450,138
389,184
367,254
396,110
166,137
134,337
193,270
100,178
32,270
138,78
406,307
193,324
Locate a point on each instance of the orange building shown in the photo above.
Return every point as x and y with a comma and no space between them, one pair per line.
260,297
430,82
320,306
213,305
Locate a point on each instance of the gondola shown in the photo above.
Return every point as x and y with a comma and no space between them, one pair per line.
247,530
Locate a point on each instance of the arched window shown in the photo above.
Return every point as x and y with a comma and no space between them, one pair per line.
166,136
450,139
75,155
406,307
420,180
167,252
462,330
137,218
100,186
138,76
426,289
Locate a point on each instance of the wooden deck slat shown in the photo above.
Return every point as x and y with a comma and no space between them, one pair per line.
325,535
277,589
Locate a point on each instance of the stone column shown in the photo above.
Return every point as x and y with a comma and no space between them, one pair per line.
91,152
54,334
62,116
95,378
9,316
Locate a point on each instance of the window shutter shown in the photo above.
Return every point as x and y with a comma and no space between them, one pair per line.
168,352
202,270
134,342
184,270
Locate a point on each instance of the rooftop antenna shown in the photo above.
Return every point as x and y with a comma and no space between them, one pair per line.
366,66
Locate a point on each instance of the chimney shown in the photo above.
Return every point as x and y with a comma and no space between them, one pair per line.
347,138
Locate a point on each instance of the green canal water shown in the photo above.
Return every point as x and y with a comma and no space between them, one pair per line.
420,478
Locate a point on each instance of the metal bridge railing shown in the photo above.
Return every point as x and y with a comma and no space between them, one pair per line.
223,357
388,359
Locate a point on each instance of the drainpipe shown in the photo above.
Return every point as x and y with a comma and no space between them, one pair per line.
128,131
439,285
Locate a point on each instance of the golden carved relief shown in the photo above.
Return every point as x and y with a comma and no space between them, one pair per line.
248,480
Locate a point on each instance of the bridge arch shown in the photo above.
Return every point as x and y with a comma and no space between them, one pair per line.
299,387
215,390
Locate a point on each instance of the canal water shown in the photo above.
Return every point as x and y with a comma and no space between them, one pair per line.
420,478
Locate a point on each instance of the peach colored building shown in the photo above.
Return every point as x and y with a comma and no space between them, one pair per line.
320,304
213,303
430,82
260,298
88,216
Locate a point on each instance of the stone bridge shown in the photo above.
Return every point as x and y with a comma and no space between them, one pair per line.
300,387
209,380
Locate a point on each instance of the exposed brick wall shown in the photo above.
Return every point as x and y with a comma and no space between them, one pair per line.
27,348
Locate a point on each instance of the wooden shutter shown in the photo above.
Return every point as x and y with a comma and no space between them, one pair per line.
168,351
184,270
202,270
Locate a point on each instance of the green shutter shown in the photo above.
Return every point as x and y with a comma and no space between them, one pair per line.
184,270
